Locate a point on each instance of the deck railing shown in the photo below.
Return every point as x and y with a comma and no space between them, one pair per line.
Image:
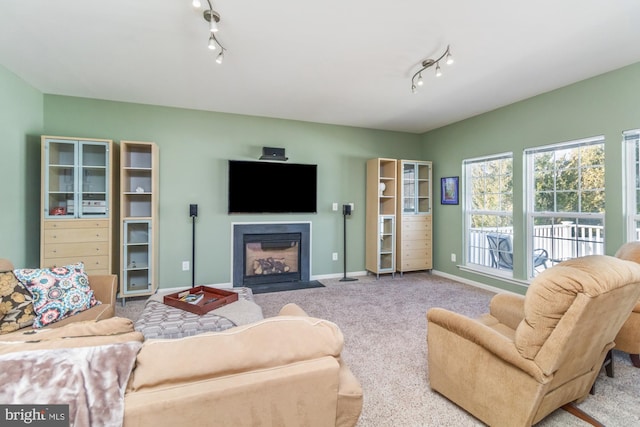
561,241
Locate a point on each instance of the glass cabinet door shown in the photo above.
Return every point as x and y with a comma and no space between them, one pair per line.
386,249
423,188
94,182
76,179
416,187
136,256
60,179
409,188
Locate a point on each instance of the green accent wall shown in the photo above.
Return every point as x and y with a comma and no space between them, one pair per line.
21,120
604,105
194,148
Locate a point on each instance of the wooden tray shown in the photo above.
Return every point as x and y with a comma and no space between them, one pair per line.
213,298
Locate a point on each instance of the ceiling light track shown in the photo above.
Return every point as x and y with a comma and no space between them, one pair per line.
417,81
212,17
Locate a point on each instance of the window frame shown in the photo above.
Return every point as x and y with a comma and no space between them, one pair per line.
478,245
531,214
631,183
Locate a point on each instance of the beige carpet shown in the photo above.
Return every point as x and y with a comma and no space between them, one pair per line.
384,324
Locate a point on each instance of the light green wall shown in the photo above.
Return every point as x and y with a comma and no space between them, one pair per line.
21,119
194,148
605,105
195,145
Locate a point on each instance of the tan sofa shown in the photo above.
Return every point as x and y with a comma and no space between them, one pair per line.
280,371
531,355
104,289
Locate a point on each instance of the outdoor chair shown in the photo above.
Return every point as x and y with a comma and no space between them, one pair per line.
501,251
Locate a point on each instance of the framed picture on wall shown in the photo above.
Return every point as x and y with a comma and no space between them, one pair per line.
449,190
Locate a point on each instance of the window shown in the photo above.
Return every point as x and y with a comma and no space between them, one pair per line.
488,211
565,200
632,178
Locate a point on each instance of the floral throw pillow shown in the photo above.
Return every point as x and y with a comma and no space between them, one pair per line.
16,306
58,292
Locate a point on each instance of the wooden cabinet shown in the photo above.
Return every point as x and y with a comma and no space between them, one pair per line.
414,219
139,185
380,222
67,242
76,203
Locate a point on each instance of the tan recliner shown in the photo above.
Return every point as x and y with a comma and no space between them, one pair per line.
628,339
531,355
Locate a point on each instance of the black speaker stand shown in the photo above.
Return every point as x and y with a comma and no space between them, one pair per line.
193,212
346,211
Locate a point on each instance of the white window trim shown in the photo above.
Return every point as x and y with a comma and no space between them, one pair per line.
529,199
466,204
630,139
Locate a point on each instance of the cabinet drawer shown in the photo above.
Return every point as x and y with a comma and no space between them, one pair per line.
415,254
416,234
65,250
411,265
72,224
414,225
92,264
415,218
76,235
409,244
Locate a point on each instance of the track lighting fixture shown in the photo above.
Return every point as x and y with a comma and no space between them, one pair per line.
212,17
213,23
416,80
212,43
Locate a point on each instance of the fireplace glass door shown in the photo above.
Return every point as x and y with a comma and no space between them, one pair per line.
271,258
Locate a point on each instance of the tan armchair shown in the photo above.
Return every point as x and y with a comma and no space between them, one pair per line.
105,288
628,339
531,355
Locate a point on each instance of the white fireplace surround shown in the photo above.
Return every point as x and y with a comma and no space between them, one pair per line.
239,229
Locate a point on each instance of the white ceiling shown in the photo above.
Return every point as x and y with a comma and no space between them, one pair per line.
345,62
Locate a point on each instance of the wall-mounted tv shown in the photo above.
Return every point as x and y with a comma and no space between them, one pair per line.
270,187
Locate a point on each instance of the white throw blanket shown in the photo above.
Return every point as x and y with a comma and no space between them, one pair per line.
91,380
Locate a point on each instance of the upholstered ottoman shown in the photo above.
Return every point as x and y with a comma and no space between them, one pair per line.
159,320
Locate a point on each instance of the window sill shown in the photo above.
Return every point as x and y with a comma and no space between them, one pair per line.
505,277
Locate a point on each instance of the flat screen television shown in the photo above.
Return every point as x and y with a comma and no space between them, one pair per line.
269,187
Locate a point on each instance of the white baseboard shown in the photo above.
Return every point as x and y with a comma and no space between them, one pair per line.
229,285
472,282
338,275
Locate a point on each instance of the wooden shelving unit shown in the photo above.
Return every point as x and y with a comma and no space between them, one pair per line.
77,215
139,186
380,220
414,219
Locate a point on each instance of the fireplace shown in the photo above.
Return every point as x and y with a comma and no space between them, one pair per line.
270,253
271,258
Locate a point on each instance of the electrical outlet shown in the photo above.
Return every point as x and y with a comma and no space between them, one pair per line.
353,207
334,256
453,257
334,206
185,265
